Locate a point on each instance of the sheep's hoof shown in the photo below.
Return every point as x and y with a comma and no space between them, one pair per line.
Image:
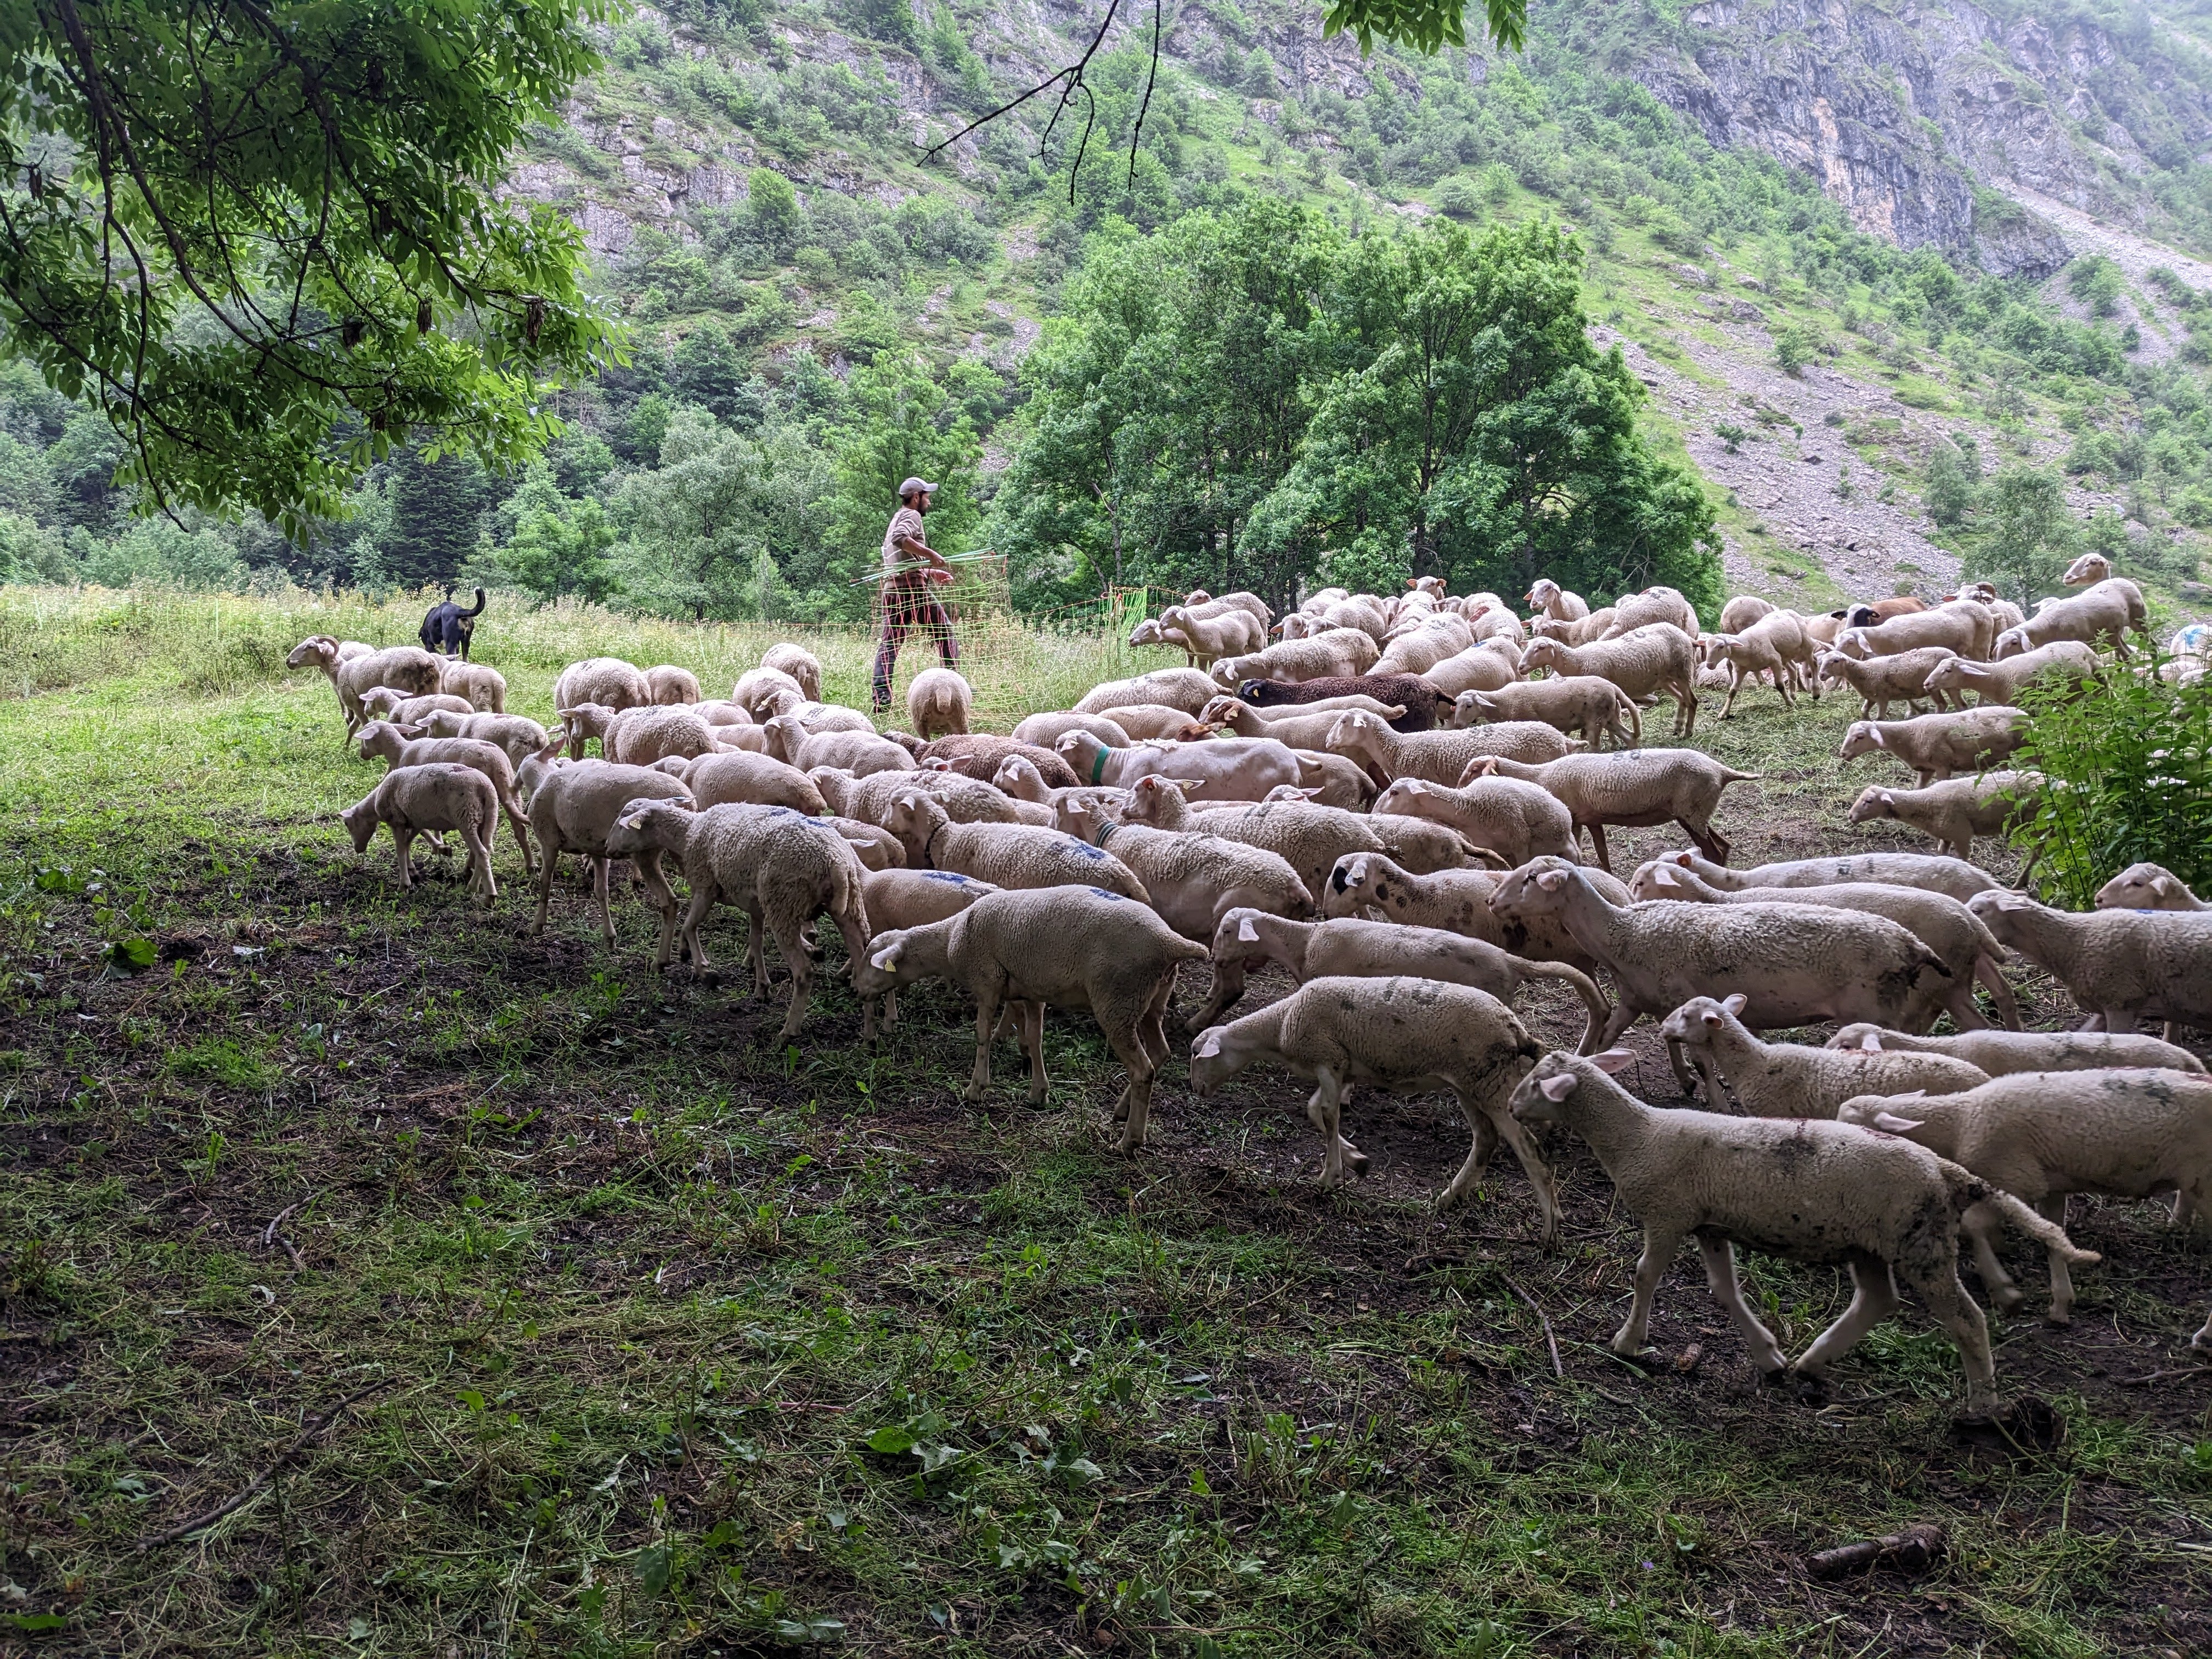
1811,1387
2026,1427
2060,1316
1357,1162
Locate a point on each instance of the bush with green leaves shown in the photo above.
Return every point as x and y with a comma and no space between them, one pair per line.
2128,779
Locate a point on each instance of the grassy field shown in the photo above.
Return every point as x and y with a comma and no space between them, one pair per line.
535,1303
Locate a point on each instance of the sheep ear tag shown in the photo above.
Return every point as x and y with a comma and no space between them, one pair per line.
1246,932
1612,1061
886,959
1558,1088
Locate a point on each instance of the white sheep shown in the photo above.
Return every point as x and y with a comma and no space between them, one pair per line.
2003,1052
406,745
435,797
1011,855
573,808
1245,768
1634,789
383,702
1517,820
1203,640
1192,879
1655,604
1442,757
1587,703
1957,810
1045,730
1186,688
1548,597
740,778
1937,874
1795,963
1941,922
2101,615
1452,901
2147,887
1019,780
1203,604
858,752
1771,647
1062,947
803,668
1941,745
1298,725
938,701
1308,837
1743,609
780,867
1334,652
640,735
1332,779
670,686
1417,649
407,669
1790,1079
1355,947
1880,681
517,735
1644,663
1996,684
965,799
2038,1136
1491,665
764,693
482,689
1811,1191
2120,966
1583,630
608,681
1964,629
1407,1036
901,898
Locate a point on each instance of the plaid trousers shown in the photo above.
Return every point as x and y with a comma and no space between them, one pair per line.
908,606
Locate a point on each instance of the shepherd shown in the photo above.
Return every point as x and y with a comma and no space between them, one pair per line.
911,568
448,628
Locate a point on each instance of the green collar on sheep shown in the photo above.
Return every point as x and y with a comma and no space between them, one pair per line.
1098,766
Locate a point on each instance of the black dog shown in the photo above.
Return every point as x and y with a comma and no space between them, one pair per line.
447,628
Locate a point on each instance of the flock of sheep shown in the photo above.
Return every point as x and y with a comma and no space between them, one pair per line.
1383,804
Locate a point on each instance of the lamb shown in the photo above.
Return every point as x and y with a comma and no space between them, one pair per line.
1517,820
781,868
1332,779
1789,1079
2147,887
1633,788
1957,810
2001,683
1418,650
1653,605
1964,631
937,702
2121,966
1014,856
1547,597
573,808
1440,756
800,665
517,735
2104,614
857,752
608,681
1811,1191
1297,730
670,686
1880,681
1453,902
874,846
406,668
980,755
762,693
1025,786
1937,747
382,702
965,800
1300,708
1362,612
1759,649
901,898
400,746
1337,653
1796,963
1203,640
1351,946
1483,667
1142,721
1407,691
1745,609
2000,1054
482,689
1195,879
1042,731
1938,920
1186,688
2038,1136
438,795
816,719
1410,1035
721,711
737,778
1245,769
637,736
1202,605
1937,874
1881,611
1572,702
1584,630
1065,947
1650,662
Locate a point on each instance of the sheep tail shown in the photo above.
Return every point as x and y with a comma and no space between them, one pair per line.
1585,988
1732,775
1972,1189
1189,950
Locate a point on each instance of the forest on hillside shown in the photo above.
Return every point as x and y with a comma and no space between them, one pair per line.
1290,336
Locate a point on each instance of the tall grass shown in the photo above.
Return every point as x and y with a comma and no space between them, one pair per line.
216,644
2128,779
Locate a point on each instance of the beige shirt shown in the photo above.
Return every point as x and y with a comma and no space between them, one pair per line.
904,522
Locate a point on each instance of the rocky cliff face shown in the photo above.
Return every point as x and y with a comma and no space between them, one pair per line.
1899,110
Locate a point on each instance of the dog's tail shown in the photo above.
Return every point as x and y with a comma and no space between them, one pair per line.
478,608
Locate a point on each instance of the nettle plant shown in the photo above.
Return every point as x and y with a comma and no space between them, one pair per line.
2127,765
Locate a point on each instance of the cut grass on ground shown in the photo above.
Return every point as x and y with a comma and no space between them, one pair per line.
539,1304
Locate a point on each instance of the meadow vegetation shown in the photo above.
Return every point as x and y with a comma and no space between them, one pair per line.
535,1303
